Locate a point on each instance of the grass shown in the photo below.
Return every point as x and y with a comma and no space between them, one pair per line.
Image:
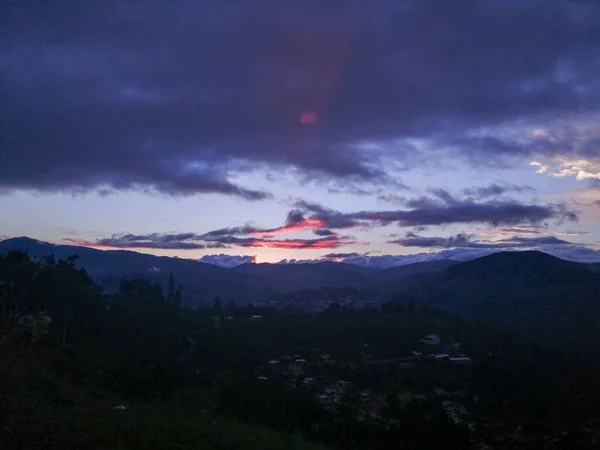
40,410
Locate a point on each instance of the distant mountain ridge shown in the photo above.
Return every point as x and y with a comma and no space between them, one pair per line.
453,285
541,296
203,282
110,267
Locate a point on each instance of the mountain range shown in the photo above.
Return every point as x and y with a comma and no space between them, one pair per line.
201,282
533,292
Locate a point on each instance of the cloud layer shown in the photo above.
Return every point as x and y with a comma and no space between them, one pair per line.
228,261
440,209
180,98
193,241
466,241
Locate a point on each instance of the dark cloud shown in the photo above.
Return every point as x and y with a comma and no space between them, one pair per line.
327,242
392,198
532,229
495,213
184,241
324,232
519,230
323,217
121,95
247,229
294,216
571,233
441,209
213,239
341,255
467,241
495,189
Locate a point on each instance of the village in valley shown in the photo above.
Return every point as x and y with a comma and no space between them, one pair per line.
348,374
315,372
396,370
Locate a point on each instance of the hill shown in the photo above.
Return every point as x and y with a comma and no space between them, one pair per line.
248,283
541,296
71,354
530,266
594,267
201,282
513,287
288,278
81,370
397,280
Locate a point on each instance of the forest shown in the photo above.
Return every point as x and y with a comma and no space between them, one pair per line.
85,370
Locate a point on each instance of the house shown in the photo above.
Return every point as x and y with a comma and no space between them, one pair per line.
440,391
296,370
34,326
431,339
461,360
456,412
334,393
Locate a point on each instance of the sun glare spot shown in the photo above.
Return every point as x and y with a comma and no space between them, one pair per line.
308,117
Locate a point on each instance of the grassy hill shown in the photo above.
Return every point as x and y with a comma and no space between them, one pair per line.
547,298
286,278
201,282
42,407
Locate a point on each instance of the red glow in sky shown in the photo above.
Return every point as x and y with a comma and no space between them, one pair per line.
306,224
296,244
308,117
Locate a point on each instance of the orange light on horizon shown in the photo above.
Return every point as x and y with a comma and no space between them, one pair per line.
303,225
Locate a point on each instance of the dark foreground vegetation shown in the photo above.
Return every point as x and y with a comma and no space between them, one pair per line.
70,356
83,370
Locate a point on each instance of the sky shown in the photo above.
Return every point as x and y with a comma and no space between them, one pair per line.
267,131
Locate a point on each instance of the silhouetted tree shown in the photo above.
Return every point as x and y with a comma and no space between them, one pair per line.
177,298
411,310
174,297
171,290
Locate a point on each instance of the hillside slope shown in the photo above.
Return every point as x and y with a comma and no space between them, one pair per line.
201,282
540,295
287,278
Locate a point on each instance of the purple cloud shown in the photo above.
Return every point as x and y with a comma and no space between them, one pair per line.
495,189
466,241
180,98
